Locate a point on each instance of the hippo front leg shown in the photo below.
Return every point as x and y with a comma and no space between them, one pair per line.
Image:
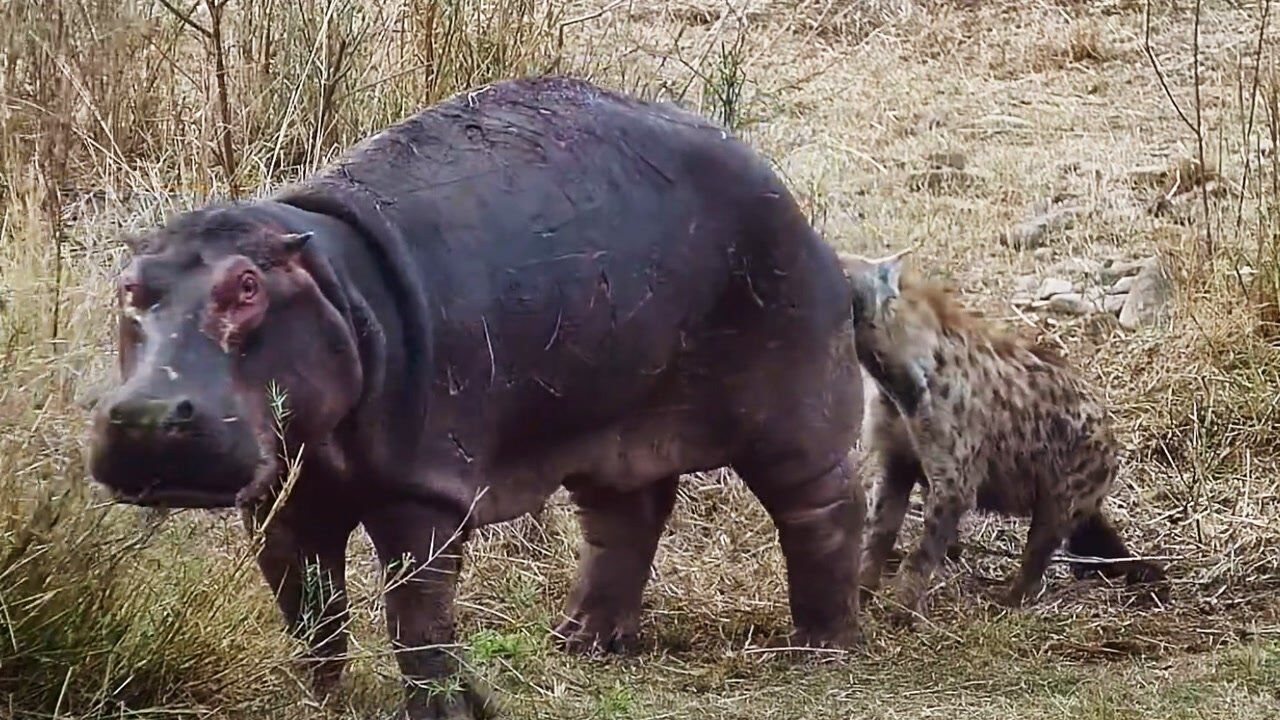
306,569
420,548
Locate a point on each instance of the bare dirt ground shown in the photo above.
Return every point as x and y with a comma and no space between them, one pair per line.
941,125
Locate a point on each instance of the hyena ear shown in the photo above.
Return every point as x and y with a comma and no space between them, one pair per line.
889,276
874,280
888,272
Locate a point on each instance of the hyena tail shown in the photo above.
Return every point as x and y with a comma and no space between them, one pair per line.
1096,537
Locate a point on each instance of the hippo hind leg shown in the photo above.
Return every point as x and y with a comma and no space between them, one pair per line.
620,532
819,519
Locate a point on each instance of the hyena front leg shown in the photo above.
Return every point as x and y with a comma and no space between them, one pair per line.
889,501
950,496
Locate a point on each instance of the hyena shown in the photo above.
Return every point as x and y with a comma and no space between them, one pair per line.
977,417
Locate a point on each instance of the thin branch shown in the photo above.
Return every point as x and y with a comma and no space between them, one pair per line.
186,19
1253,104
581,19
1155,65
1199,129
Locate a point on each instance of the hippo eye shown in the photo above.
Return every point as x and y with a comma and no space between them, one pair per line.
248,287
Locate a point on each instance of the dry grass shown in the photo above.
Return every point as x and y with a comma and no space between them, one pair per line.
113,115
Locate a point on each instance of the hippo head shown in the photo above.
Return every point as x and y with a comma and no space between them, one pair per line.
221,314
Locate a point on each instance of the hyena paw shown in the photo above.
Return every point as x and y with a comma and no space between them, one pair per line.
909,607
1020,594
1150,579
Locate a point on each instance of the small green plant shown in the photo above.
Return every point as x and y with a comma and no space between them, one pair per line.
725,82
488,645
615,703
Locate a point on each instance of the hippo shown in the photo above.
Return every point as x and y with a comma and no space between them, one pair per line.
539,283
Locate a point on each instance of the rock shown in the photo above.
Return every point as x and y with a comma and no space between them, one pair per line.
1114,303
1174,178
1043,254
942,180
1070,304
953,160
1151,177
1121,286
928,121
1078,266
1034,232
1113,272
1026,284
1054,286
998,123
1148,301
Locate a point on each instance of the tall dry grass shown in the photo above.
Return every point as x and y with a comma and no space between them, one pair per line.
113,114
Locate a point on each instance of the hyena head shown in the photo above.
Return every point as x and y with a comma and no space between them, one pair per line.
895,332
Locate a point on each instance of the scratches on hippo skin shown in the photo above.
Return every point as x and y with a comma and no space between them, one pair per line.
592,255
555,332
751,288
462,450
488,341
547,386
649,163
655,371
605,285
648,295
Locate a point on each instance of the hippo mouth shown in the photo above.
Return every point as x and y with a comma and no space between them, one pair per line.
176,499
179,477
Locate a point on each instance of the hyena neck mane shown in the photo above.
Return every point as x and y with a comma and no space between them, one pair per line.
932,333
956,324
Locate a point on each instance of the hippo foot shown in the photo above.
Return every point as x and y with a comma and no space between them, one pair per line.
586,634
849,638
325,675
469,702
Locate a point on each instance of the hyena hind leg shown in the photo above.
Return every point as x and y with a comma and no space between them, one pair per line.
1049,526
1095,536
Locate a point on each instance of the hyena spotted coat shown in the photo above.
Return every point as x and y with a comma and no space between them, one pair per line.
979,418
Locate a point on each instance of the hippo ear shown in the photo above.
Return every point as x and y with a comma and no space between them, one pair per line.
292,243
133,241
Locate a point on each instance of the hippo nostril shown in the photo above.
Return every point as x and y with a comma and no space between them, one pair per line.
182,413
